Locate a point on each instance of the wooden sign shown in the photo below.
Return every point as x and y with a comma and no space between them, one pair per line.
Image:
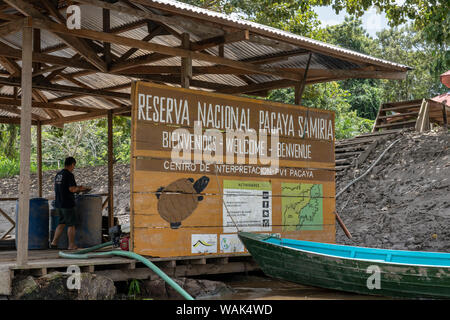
205,165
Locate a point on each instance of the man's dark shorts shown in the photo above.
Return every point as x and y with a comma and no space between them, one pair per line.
67,216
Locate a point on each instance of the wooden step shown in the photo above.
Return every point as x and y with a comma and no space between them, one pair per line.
343,161
405,107
339,168
357,148
403,103
347,154
376,134
353,142
395,124
397,115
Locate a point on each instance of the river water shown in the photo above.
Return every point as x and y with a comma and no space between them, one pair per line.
256,286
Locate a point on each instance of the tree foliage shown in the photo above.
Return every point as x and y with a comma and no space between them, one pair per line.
432,17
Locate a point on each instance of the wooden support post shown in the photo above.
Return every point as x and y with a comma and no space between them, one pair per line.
25,146
110,170
186,63
377,119
444,115
39,157
36,47
423,120
107,28
221,50
299,88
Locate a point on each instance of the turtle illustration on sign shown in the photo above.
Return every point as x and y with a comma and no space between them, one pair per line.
179,199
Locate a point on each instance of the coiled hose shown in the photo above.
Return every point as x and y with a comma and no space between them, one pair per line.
86,254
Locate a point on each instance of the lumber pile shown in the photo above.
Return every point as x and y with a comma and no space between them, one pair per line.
418,114
354,151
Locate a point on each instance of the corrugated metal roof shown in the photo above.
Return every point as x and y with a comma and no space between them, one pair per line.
253,26
325,56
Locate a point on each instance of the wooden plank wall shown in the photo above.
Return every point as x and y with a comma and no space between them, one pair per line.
297,201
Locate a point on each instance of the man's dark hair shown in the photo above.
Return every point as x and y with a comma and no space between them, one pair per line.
69,161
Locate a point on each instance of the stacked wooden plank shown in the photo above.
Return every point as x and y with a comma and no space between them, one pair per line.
355,150
408,114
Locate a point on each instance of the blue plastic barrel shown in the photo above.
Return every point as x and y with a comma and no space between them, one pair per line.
37,223
88,228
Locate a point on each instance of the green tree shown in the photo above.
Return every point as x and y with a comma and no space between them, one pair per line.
407,46
365,94
8,140
289,15
432,17
329,96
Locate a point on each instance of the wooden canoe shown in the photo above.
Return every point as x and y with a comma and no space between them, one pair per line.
389,273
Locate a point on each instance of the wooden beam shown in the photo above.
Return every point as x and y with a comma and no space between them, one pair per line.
39,157
276,57
15,70
220,40
9,52
186,63
10,17
129,26
350,73
162,49
119,29
16,110
145,70
25,147
188,24
48,105
46,70
176,80
11,27
301,86
11,120
86,116
85,86
107,28
56,47
268,42
10,66
77,44
148,37
53,11
36,48
444,116
270,85
110,169
69,89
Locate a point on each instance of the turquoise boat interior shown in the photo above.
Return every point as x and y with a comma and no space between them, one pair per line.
361,253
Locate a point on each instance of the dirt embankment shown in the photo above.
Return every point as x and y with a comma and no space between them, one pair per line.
403,203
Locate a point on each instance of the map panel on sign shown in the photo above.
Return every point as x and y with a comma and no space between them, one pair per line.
302,206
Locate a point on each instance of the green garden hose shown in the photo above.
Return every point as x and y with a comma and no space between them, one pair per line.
86,254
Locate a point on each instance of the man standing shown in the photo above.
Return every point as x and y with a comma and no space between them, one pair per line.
65,187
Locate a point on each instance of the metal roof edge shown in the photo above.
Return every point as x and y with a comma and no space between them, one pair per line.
172,5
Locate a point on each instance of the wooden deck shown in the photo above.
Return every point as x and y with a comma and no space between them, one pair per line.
41,262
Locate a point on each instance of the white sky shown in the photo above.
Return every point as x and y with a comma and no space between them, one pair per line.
372,21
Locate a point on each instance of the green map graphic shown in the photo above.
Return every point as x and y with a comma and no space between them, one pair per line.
302,206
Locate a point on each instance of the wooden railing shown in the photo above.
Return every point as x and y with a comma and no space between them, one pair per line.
3,213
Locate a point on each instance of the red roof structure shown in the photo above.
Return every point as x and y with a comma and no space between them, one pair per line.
443,98
445,78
